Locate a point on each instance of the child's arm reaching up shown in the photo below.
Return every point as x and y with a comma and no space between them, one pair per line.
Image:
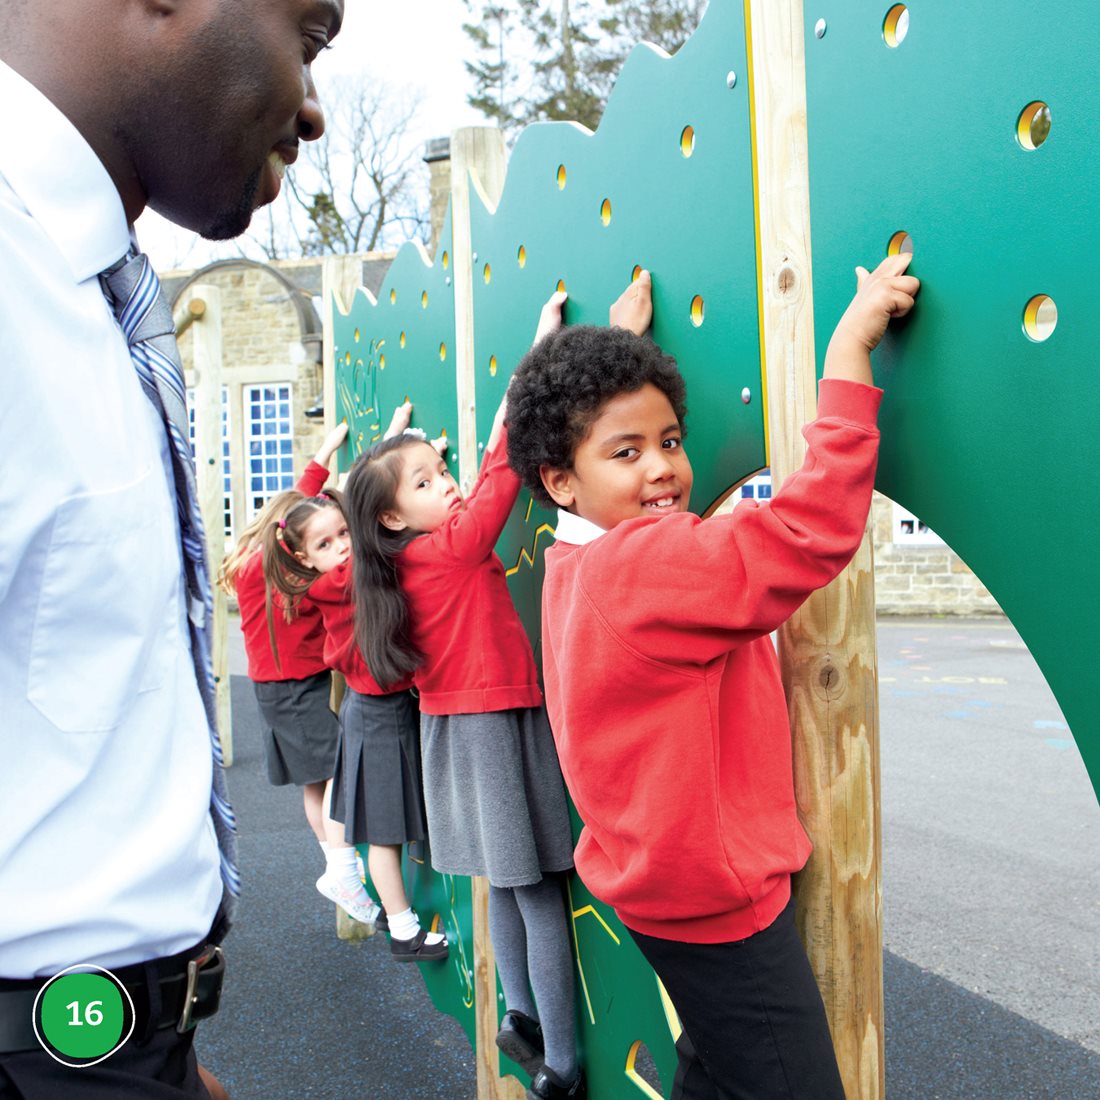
881,295
550,320
633,309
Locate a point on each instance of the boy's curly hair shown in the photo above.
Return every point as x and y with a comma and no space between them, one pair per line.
562,384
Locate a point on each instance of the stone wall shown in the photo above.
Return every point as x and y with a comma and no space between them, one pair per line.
926,578
271,333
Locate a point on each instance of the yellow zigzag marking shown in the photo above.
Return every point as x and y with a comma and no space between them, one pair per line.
575,913
524,556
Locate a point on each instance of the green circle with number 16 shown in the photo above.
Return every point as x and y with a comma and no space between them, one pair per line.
82,1015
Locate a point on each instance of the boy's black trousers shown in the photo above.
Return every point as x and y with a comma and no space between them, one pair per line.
754,1022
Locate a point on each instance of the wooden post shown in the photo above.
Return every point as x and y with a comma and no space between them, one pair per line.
205,312
477,160
341,276
827,649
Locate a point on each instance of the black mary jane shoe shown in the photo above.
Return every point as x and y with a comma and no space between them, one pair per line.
382,922
520,1038
417,949
547,1085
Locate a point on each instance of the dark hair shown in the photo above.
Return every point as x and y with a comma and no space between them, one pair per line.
282,538
563,383
382,626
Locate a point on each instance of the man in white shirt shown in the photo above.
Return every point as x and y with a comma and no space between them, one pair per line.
107,851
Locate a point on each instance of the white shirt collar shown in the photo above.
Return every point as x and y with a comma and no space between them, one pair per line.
60,180
576,529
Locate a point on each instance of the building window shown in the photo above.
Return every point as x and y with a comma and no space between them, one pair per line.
909,530
269,443
758,487
227,492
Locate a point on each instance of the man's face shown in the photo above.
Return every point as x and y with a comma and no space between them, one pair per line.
219,120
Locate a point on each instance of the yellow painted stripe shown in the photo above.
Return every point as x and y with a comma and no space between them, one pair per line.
756,225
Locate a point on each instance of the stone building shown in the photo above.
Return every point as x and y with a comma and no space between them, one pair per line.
271,372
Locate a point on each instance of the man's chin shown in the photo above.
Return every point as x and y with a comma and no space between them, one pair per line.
232,222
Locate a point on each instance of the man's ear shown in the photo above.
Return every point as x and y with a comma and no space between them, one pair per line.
559,484
393,521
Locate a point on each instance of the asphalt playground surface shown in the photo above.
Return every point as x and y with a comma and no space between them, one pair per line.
991,886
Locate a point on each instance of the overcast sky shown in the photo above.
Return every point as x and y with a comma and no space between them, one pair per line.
414,44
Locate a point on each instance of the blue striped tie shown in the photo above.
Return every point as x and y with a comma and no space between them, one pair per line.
133,289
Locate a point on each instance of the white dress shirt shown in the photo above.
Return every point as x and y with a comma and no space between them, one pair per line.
107,851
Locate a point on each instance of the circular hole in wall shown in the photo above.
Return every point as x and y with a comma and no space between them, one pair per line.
900,242
423,299
687,140
561,177
521,256
493,366
605,211
1033,125
896,25
697,310
1040,318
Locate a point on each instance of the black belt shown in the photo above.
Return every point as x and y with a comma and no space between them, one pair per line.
188,989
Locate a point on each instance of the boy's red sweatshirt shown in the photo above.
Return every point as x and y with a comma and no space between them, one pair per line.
332,593
664,693
301,641
477,657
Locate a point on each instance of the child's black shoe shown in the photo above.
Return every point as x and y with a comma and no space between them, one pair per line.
417,949
547,1085
520,1038
381,922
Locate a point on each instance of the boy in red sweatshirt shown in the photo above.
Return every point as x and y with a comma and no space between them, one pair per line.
662,684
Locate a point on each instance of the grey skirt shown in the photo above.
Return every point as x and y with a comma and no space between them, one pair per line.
300,730
377,790
495,797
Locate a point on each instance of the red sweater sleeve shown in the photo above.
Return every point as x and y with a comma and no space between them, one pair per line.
312,480
699,588
473,532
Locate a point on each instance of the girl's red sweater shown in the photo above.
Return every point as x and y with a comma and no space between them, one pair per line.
664,692
333,594
477,657
301,641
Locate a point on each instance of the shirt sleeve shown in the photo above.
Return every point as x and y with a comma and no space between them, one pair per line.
312,480
470,535
685,590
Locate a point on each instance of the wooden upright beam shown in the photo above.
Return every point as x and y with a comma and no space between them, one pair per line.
477,162
827,649
341,276
204,311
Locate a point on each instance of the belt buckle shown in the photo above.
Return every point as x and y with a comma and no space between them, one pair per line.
185,1023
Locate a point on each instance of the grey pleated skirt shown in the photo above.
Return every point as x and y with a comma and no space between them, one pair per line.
495,796
377,789
300,730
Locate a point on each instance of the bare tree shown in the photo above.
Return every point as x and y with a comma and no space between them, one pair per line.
360,187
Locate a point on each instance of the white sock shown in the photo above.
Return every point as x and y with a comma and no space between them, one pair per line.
343,867
403,926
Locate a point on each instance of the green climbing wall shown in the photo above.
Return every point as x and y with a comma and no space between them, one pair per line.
987,434
986,431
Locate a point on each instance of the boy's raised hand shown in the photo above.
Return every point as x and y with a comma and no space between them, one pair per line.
881,295
550,319
633,309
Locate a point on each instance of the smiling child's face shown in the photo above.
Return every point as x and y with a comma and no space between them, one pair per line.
632,463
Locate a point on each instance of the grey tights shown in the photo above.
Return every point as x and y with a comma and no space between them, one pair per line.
530,933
